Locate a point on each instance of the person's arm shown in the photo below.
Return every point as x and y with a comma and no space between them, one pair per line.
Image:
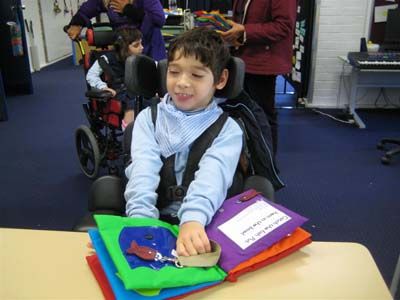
217,167
93,76
143,173
128,9
208,190
89,9
154,13
283,16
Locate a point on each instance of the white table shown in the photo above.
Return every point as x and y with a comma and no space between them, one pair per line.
37,264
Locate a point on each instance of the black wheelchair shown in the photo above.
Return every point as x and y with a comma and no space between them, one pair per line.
143,77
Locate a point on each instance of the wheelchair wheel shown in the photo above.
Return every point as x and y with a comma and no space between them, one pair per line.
88,151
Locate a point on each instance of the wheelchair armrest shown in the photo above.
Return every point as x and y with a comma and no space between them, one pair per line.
107,194
260,184
102,95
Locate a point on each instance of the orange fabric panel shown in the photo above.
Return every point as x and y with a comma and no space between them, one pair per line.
284,247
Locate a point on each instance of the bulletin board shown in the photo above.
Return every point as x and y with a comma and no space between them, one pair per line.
378,29
56,42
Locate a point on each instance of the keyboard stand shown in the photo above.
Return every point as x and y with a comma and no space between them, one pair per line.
370,78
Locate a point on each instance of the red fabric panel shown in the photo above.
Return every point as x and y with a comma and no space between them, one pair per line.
97,270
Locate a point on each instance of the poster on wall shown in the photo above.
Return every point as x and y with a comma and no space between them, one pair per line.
381,7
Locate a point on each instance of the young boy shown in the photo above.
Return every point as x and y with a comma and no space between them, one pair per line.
196,69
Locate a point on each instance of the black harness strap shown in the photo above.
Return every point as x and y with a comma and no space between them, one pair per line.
200,146
106,68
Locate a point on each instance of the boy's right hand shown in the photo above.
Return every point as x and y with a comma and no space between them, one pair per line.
113,92
192,239
74,31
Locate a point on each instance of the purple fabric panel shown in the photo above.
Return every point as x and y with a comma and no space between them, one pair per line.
232,254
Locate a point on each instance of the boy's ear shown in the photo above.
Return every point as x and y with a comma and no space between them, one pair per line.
222,80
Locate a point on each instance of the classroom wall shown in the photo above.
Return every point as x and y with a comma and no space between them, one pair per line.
338,28
52,43
31,12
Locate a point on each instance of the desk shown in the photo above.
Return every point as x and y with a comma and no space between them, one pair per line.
51,265
369,78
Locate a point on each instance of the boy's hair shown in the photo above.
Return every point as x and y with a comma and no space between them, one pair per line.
123,38
205,45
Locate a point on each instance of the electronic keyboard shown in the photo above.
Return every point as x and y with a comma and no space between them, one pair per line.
377,60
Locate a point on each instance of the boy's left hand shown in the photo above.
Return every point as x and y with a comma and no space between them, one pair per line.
192,239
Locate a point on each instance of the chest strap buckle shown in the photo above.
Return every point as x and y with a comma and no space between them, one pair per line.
176,192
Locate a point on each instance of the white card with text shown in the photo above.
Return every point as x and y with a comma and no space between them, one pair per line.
253,223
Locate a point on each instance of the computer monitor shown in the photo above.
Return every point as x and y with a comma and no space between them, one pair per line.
392,27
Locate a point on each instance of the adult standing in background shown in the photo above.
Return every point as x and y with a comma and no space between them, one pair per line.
146,15
262,35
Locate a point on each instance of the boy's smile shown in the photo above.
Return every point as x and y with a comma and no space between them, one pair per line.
190,83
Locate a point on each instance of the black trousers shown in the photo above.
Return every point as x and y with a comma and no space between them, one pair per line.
261,88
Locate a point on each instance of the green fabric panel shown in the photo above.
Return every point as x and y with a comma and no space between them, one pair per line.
147,293
143,277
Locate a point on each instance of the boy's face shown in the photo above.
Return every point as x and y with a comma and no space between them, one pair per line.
190,83
136,47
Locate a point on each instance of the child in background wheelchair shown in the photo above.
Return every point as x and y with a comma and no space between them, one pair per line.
109,108
128,41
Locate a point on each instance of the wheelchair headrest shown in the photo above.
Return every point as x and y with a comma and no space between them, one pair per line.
141,77
100,36
144,77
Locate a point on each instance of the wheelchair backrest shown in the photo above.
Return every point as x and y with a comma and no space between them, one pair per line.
99,38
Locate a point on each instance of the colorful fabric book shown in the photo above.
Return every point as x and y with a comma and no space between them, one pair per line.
118,233
118,289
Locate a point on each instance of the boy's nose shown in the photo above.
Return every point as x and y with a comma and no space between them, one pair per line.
183,81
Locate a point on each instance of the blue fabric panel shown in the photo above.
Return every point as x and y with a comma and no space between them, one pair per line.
157,238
